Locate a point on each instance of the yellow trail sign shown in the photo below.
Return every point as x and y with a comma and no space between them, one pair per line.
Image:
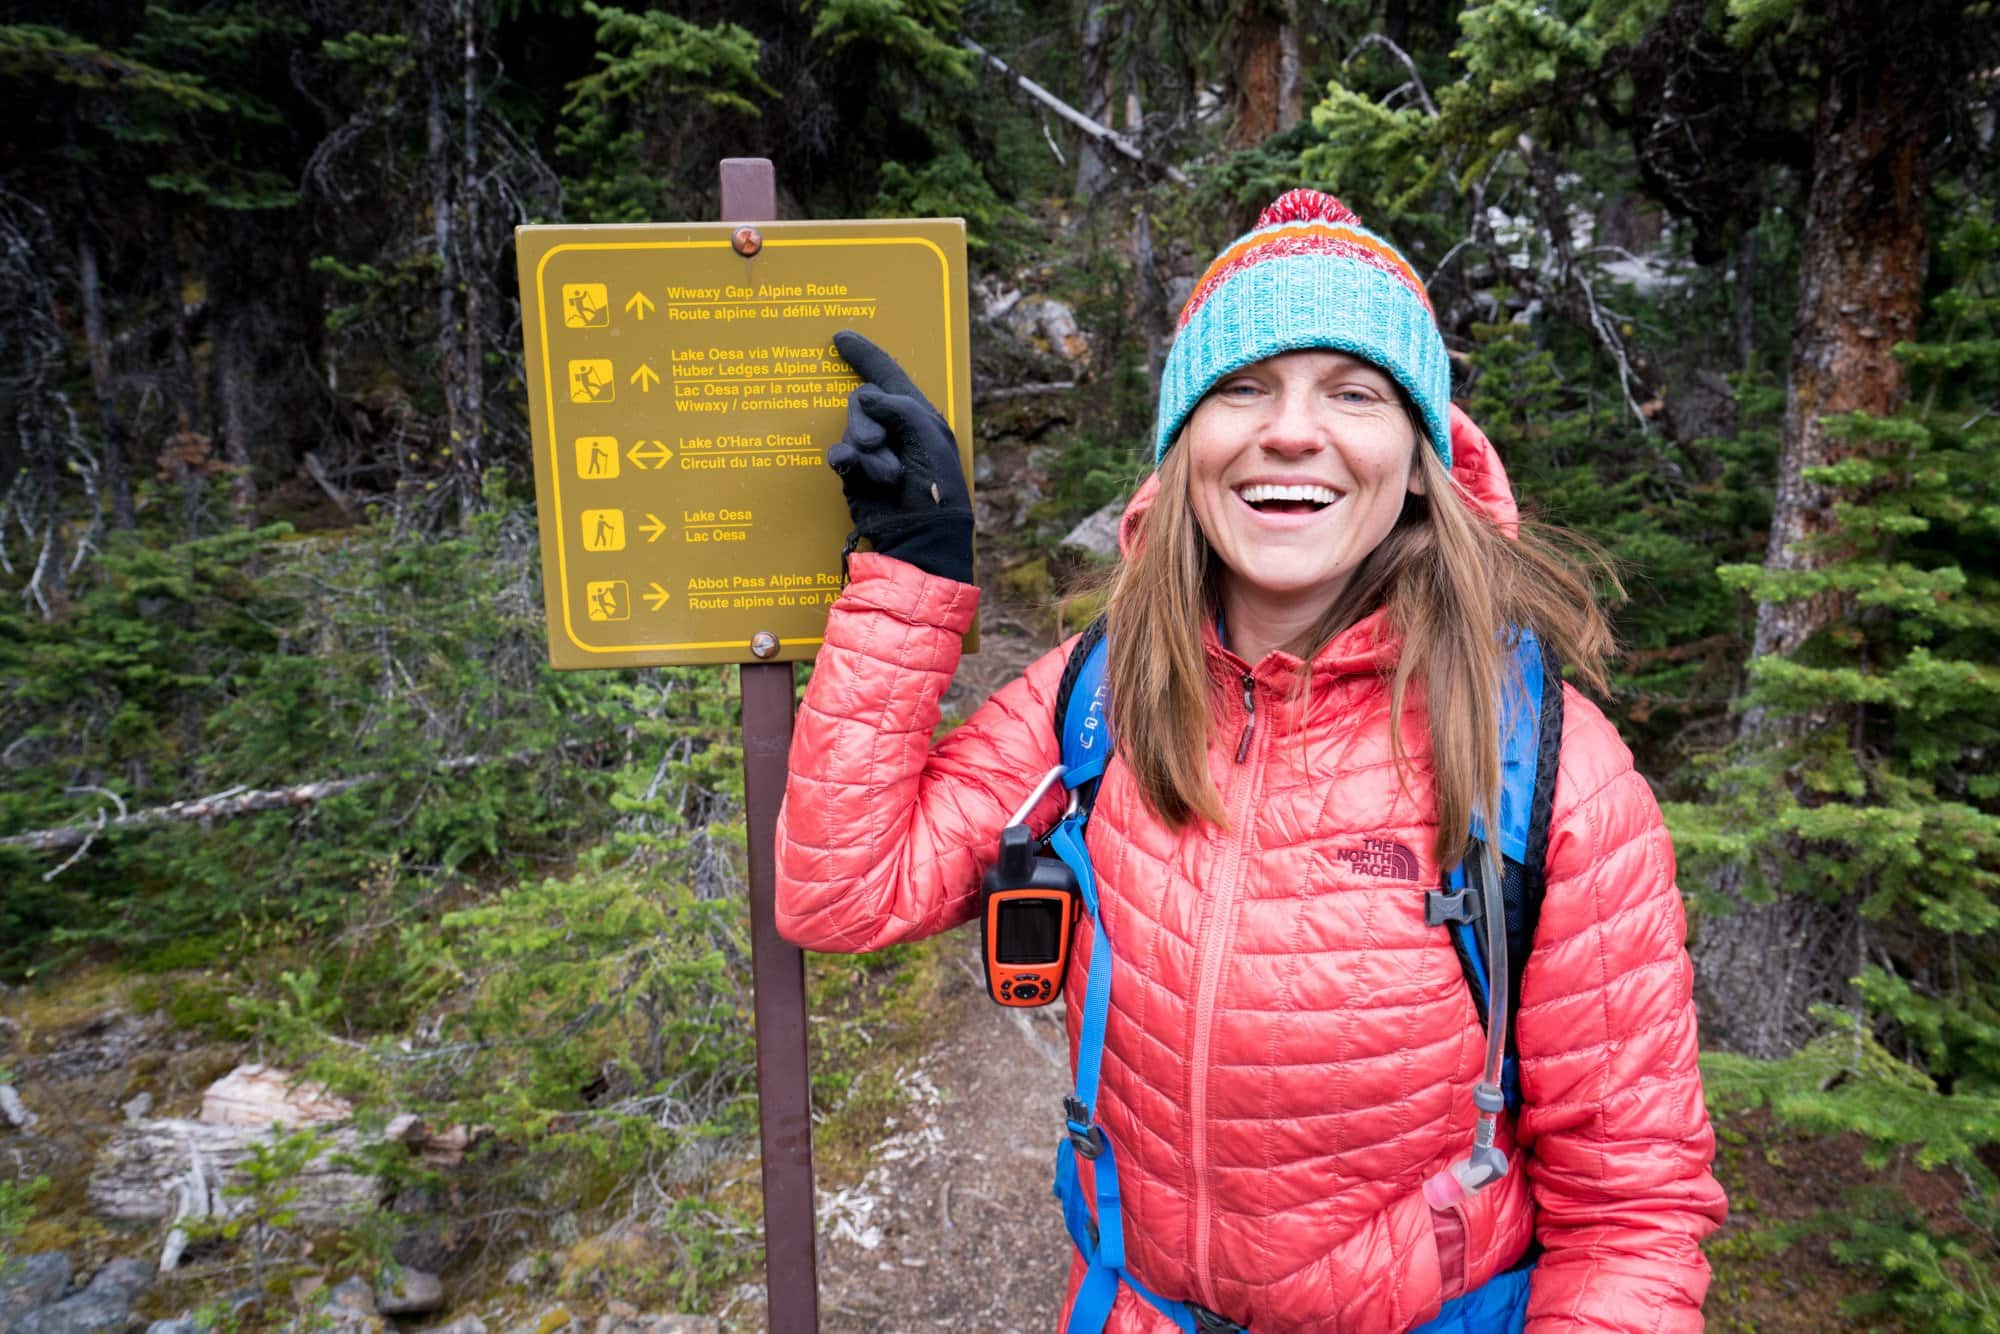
715,384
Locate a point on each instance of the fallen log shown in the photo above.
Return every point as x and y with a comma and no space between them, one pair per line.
233,801
143,1170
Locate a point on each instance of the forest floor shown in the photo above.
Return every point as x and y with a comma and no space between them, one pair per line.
944,1218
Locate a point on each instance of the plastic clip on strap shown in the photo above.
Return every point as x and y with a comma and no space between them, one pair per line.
1481,899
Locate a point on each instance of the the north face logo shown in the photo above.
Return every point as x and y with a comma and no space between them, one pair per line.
1384,858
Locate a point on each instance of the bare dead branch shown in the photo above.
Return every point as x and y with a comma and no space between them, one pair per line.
233,801
1416,82
1104,134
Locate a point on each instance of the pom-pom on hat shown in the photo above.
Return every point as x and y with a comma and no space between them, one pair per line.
1307,275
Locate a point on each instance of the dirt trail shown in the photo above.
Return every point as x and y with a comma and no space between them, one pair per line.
953,1227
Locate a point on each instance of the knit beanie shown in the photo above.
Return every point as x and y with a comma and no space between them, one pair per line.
1307,275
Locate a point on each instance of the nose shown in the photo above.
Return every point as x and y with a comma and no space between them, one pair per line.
1294,427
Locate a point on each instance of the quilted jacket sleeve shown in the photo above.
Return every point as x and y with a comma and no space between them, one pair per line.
883,836
1612,1098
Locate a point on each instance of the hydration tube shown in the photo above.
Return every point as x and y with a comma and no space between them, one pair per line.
1485,1164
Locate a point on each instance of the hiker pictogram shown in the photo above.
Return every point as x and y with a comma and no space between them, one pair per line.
597,457
604,530
585,306
591,381
608,600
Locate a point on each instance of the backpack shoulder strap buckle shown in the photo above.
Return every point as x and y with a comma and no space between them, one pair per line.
1456,905
1084,1137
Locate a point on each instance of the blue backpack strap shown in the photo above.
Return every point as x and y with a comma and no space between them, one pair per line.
1531,743
1531,724
1095,1223
1082,722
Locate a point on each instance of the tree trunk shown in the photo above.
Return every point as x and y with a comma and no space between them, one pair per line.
234,393
1861,273
1291,89
449,343
97,341
181,342
1094,100
1861,269
1258,50
468,446
1744,316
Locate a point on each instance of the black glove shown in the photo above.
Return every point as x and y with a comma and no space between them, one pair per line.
898,465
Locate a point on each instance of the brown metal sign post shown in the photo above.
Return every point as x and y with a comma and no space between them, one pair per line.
784,1091
683,389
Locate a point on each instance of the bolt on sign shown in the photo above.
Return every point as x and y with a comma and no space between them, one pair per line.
684,389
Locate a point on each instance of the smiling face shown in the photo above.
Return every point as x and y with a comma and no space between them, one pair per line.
1297,469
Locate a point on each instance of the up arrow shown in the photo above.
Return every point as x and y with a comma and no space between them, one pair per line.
653,529
637,305
649,454
645,377
658,597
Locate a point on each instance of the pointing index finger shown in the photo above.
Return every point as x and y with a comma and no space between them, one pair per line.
875,366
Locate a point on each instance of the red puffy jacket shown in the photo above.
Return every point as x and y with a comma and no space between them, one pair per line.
1290,1052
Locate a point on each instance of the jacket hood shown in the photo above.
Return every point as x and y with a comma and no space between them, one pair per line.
1475,470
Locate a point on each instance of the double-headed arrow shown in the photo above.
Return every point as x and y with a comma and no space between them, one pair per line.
658,597
645,377
637,305
649,454
653,529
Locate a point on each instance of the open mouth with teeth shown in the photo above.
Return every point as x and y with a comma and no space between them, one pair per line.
1267,499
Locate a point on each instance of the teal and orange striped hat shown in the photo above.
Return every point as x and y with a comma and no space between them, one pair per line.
1307,275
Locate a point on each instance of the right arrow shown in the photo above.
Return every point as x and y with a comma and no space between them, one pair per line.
658,597
653,529
637,305
649,454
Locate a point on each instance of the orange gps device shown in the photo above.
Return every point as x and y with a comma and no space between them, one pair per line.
1028,908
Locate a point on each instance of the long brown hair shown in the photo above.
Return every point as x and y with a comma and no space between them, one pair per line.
1452,582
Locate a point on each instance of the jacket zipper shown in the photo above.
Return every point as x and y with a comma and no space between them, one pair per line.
1249,716
1210,953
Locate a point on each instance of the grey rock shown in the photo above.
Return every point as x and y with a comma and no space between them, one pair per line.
123,1279
138,1105
97,1047
1098,534
13,1111
349,1298
32,1281
551,1321
528,1269
410,1292
106,1305
465,1324
81,1314
659,1324
180,1325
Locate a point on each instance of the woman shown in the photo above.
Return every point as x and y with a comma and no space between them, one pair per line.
1309,643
